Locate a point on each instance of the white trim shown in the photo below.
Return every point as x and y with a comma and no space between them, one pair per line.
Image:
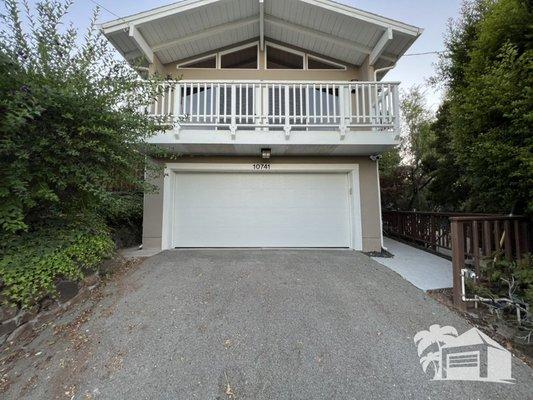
262,25
186,5
352,170
233,50
218,58
215,30
379,204
168,209
380,46
325,61
153,14
195,60
288,50
358,47
366,16
141,43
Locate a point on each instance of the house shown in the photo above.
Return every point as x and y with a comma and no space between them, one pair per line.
279,118
475,356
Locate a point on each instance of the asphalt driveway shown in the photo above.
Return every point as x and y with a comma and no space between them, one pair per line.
266,324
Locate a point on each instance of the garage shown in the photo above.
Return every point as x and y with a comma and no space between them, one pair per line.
280,207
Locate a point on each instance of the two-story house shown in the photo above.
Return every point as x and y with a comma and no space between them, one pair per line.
279,115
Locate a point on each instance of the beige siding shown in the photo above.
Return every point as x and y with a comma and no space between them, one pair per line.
370,208
153,213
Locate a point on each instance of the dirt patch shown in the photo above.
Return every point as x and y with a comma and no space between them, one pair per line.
48,362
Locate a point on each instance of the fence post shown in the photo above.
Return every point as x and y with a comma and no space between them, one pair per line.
458,258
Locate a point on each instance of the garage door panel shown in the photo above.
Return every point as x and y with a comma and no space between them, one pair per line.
261,210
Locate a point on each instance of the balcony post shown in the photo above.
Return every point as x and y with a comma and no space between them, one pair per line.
396,99
265,103
177,110
233,126
287,127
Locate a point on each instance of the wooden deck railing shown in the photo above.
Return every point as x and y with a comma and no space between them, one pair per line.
475,237
465,238
430,230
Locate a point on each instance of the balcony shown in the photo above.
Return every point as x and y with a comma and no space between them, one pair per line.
332,117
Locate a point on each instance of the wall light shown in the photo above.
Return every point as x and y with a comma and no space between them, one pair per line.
266,153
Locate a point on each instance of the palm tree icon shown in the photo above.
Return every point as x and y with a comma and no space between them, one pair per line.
436,335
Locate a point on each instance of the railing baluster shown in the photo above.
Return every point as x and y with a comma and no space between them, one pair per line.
177,102
301,105
191,101
335,97
328,99
280,115
321,106
363,102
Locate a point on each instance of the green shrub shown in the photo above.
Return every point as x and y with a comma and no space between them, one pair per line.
72,131
501,278
33,264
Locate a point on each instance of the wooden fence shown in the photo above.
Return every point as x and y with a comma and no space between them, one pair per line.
429,230
465,238
475,237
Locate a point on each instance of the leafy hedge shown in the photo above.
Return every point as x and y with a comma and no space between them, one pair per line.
32,265
73,136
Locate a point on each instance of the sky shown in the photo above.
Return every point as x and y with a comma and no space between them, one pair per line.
431,15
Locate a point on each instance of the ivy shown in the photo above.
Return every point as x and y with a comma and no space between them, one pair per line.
31,267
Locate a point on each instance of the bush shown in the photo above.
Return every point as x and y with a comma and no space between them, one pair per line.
72,131
32,265
501,278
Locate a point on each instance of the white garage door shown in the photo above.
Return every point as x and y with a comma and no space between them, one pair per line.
261,210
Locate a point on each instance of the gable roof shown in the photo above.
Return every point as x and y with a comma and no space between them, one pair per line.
192,27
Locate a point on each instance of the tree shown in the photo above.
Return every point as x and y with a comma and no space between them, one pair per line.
403,176
486,118
70,122
72,130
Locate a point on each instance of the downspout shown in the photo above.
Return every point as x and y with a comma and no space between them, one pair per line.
377,166
382,70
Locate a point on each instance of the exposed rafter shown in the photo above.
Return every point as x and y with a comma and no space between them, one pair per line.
215,30
141,43
322,35
262,24
380,46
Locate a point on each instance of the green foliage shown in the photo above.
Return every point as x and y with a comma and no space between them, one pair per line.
503,278
72,131
32,264
483,131
70,121
403,176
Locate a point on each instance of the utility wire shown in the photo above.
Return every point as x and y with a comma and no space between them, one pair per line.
423,54
106,9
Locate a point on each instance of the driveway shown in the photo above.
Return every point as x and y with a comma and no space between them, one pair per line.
261,324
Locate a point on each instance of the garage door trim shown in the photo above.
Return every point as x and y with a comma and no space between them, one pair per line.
172,168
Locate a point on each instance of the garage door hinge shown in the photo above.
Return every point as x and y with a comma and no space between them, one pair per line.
351,191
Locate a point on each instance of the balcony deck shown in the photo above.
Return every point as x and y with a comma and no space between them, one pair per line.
291,117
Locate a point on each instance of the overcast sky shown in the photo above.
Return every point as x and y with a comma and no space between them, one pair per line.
431,15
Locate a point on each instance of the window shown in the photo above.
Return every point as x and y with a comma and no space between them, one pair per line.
278,58
243,58
319,63
204,62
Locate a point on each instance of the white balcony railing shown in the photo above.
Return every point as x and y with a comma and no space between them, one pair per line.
265,105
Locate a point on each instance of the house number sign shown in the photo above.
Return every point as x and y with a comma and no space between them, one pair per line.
261,167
